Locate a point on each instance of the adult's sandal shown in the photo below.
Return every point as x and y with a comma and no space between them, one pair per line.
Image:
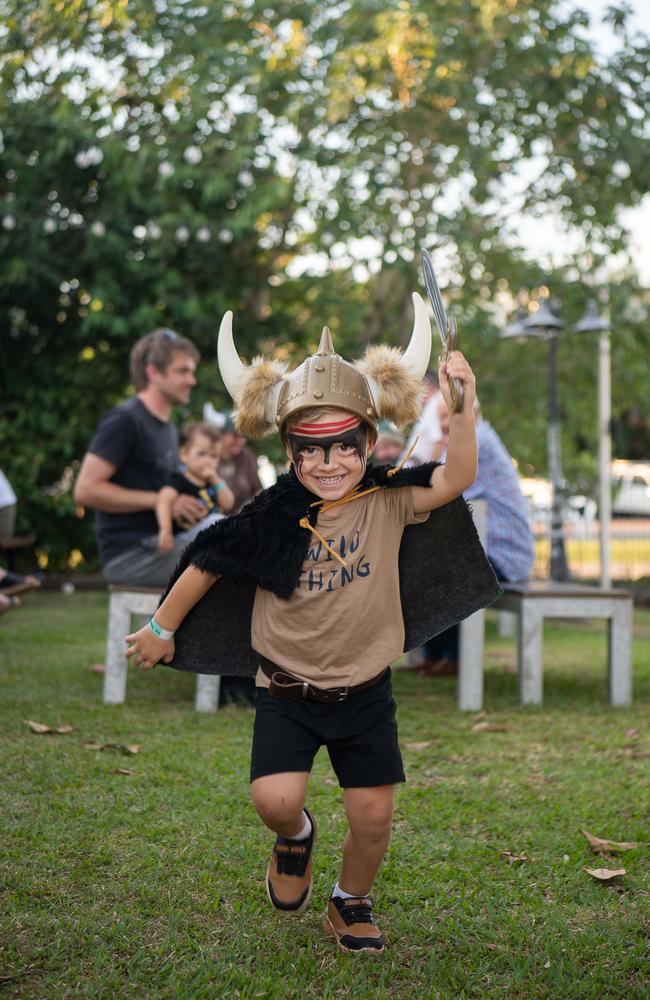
15,583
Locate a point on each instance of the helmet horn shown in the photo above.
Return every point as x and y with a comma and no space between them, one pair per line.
417,355
230,364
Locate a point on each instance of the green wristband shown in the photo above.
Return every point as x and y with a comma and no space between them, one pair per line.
160,633
219,486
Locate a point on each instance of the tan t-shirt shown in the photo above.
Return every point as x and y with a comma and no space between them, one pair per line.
341,626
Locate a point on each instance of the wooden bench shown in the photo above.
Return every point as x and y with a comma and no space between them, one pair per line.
123,605
533,601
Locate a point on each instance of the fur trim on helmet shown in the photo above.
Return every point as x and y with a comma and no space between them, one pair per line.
400,392
252,410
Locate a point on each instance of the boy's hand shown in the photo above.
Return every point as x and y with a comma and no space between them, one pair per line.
457,367
165,540
148,649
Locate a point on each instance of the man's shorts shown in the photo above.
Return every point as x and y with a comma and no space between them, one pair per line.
360,734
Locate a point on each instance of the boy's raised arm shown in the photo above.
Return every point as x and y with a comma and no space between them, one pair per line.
149,648
448,481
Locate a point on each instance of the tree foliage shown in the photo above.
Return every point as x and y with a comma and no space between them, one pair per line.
162,161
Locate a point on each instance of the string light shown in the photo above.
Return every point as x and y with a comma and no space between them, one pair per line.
193,155
63,219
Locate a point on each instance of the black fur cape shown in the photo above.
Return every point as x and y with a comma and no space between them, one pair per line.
444,573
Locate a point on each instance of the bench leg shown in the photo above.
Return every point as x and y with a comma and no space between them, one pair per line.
207,692
119,622
506,624
470,663
529,654
619,654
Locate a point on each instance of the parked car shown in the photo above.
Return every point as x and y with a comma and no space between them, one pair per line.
539,493
631,488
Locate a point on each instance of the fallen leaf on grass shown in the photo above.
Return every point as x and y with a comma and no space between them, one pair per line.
605,874
126,748
513,858
123,770
607,846
492,947
488,727
631,734
538,779
630,750
430,781
97,668
477,718
419,746
38,727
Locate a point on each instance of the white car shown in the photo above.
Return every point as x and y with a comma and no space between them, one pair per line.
539,494
631,489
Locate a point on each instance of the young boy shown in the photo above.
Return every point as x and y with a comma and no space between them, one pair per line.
199,451
320,551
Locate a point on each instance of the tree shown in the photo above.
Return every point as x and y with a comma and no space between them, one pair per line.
163,162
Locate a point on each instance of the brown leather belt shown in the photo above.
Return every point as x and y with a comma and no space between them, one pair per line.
284,685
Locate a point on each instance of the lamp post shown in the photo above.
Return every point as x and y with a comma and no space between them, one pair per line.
546,324
593,322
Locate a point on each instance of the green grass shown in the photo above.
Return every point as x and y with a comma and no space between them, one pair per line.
151,884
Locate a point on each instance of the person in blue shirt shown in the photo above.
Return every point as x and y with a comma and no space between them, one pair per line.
510,539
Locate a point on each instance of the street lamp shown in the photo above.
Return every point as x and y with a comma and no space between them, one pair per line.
517,328
593,322
543,322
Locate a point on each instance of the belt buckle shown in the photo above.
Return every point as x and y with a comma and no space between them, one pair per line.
343,693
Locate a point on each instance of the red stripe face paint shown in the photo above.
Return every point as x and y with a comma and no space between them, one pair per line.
327,428
311,444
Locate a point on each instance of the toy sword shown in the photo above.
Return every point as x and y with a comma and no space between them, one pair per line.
446,328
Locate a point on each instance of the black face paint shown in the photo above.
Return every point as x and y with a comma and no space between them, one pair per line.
355,438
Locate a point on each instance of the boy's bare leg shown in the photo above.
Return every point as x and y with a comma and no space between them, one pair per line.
279,800
370,814
349,914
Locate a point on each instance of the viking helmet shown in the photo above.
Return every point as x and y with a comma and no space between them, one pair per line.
384,384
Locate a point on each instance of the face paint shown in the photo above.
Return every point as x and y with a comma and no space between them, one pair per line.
355,439
350,432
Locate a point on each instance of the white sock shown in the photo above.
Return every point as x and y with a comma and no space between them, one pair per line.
338,891
306,830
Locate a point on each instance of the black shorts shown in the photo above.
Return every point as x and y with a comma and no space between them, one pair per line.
360,734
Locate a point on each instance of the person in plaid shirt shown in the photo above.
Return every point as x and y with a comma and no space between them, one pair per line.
510,540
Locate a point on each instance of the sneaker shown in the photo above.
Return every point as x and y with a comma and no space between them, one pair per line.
288,877
353,925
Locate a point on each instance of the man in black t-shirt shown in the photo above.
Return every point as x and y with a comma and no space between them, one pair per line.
132,456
